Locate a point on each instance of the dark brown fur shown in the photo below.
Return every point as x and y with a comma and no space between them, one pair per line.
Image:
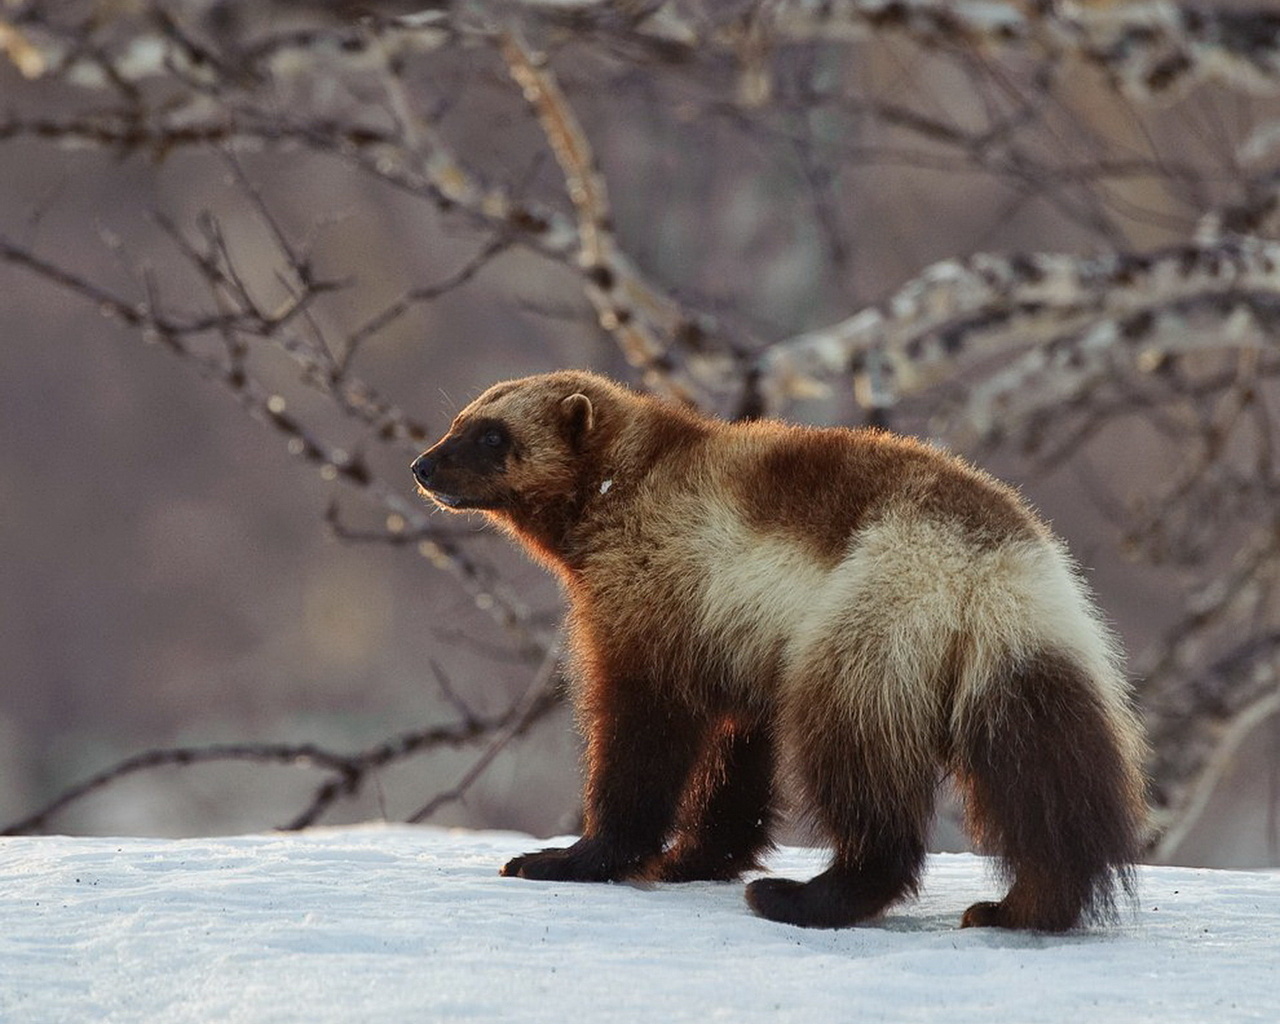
863,478
690,551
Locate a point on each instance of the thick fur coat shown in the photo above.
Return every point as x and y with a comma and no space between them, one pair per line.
869,611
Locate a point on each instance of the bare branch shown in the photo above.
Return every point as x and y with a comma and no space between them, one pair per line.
333,461
541,696
1145,302
646,322
347,773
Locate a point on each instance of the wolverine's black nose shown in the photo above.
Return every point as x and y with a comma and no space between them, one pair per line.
423,466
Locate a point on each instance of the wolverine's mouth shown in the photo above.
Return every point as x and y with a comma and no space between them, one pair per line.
457,502
445,499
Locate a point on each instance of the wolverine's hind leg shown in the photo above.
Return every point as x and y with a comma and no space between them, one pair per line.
873,802
864,878
726,813
1053,788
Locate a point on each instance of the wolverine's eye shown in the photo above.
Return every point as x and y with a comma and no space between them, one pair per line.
492,438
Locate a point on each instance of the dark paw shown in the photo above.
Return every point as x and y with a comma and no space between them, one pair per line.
514,868
584,861
984,915
834,899
778,899
544,865
1012,912
695,867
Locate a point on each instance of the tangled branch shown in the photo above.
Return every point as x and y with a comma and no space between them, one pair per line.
731,191
346,774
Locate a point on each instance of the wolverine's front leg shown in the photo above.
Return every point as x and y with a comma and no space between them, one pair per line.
641,746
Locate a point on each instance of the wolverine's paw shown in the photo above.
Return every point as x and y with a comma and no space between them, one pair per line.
584,861
984,915
552,865
696,866
1011,912
778,899
696,872
514,868
833,899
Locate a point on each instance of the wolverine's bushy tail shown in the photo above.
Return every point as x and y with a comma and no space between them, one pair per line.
1049,764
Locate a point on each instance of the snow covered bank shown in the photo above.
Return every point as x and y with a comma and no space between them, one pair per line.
414,924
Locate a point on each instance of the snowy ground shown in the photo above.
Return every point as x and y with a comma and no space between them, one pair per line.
414,924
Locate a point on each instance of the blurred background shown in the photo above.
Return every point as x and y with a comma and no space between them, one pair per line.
256,256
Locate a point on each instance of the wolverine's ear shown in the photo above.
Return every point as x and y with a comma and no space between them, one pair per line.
579,416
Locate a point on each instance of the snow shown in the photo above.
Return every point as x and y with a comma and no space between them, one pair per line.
396,923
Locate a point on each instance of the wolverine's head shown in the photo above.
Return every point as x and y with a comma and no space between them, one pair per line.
522,445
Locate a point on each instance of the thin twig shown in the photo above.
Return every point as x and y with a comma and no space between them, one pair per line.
540,696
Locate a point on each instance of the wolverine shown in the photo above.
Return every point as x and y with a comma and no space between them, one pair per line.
851,610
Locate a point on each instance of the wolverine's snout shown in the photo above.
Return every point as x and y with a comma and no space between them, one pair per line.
423,466
453,476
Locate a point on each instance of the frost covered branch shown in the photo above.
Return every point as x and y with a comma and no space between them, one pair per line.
1077,318
1147,48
